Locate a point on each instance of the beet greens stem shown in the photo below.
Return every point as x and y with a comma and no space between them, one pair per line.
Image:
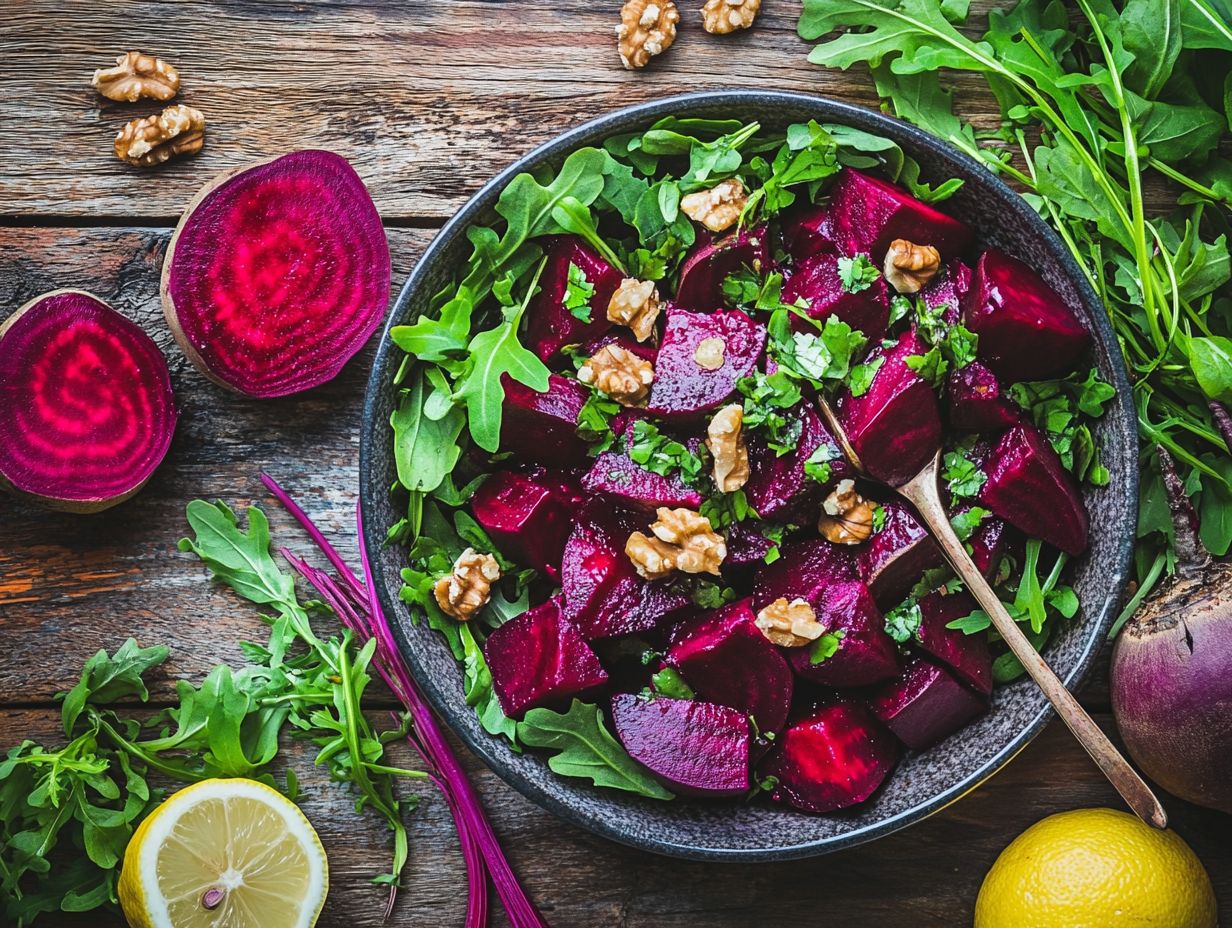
1223,422
1191,556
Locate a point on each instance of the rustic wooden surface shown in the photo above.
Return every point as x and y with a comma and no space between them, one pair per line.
427,99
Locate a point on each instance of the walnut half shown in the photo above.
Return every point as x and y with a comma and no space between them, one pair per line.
846,516
465,590
137,76
177,130
647,28
718,208
725,439
908,266
636,305
682,540
619,373
789,624
720,17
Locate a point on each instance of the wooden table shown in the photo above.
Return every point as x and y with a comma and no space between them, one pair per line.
427,99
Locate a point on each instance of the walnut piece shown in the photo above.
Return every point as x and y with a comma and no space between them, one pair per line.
635,304
723,16
846,516
725,439
647,28
789,624
137,76
719,207
908,266
709,353
682,540
177,130
620,374
464,591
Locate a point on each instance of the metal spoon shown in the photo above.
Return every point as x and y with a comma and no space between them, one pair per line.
922,492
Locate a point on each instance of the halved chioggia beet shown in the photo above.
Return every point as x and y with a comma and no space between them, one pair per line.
1026,332
925,704
703,271
894,557
966,655
618,475
777,487
816,280
542,427
802,570
603,594
540,659
528,516
894,426
834,757
695,748
977,403
726,659
948,289
550,324
277,274
867,213
85,402
806,232
1030,488
746,545
865,654
701,357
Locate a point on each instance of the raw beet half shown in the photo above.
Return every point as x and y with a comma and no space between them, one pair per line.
277,274
686,386
925,704
550,326
777,487
86,403
894,557
867,213
703,272
977,403
865,655
816,280
695,748
802,571
967,655
528,516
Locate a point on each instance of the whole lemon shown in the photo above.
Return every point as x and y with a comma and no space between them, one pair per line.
1096,868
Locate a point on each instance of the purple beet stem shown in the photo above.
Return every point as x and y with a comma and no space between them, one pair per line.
357,607
1223,421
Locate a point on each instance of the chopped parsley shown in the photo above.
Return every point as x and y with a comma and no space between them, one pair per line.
664,455
879,518
769,400
725,508
667,682
966,522
578,293
902,623
962,476
826,646
709,595
858,273
594,422
817,467
1057,407
861,376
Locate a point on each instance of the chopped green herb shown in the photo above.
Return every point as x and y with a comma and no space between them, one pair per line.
826,646
861,377
962,476
663,455
967,521
902,623
668,682
858,273
578,293
818,467
710,595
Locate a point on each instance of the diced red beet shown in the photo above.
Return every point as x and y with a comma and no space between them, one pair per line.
894,426
726,659
806,232
867,213
925,704
603,595
1026,332
988,543
528,516
894,557
802,571
1030,488
540,659
682,386
86,403
550,326
746,545
695,748
817,281
277,274
623,338
542,427
865,655
977,403
617,474
832,758
703,271
777,487
966,655
948,289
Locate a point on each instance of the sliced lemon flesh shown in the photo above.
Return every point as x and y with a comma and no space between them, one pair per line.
224,854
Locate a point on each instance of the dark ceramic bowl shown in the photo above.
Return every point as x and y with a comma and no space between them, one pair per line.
923,783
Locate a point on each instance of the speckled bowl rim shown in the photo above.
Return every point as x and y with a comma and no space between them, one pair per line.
449,703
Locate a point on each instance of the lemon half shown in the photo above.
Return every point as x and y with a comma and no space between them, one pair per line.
231,853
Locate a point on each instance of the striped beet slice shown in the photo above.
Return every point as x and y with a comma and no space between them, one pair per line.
86,409
277,274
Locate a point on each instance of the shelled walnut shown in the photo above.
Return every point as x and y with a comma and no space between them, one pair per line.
635,304
909,267
789,624
718,208
723,16
682,540
137,77
177,130
725,439
465,590
710,353
647,28
846,516
619,373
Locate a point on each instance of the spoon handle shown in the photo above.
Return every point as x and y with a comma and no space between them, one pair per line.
922,491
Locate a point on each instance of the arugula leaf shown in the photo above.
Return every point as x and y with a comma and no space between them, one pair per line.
106,679
426,448
858,273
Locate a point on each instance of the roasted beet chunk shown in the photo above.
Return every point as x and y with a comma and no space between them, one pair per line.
701,358
542,427
726,659
948,289
603,595
987,544
834,757
894,426
1026,332
977,403
802,571
925,705
540,659
966,655
865,653
806,232
746,544
703,272
550,325
868,213
894,557
695,748
1029,488
617,474
528,516
817,281
777,487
